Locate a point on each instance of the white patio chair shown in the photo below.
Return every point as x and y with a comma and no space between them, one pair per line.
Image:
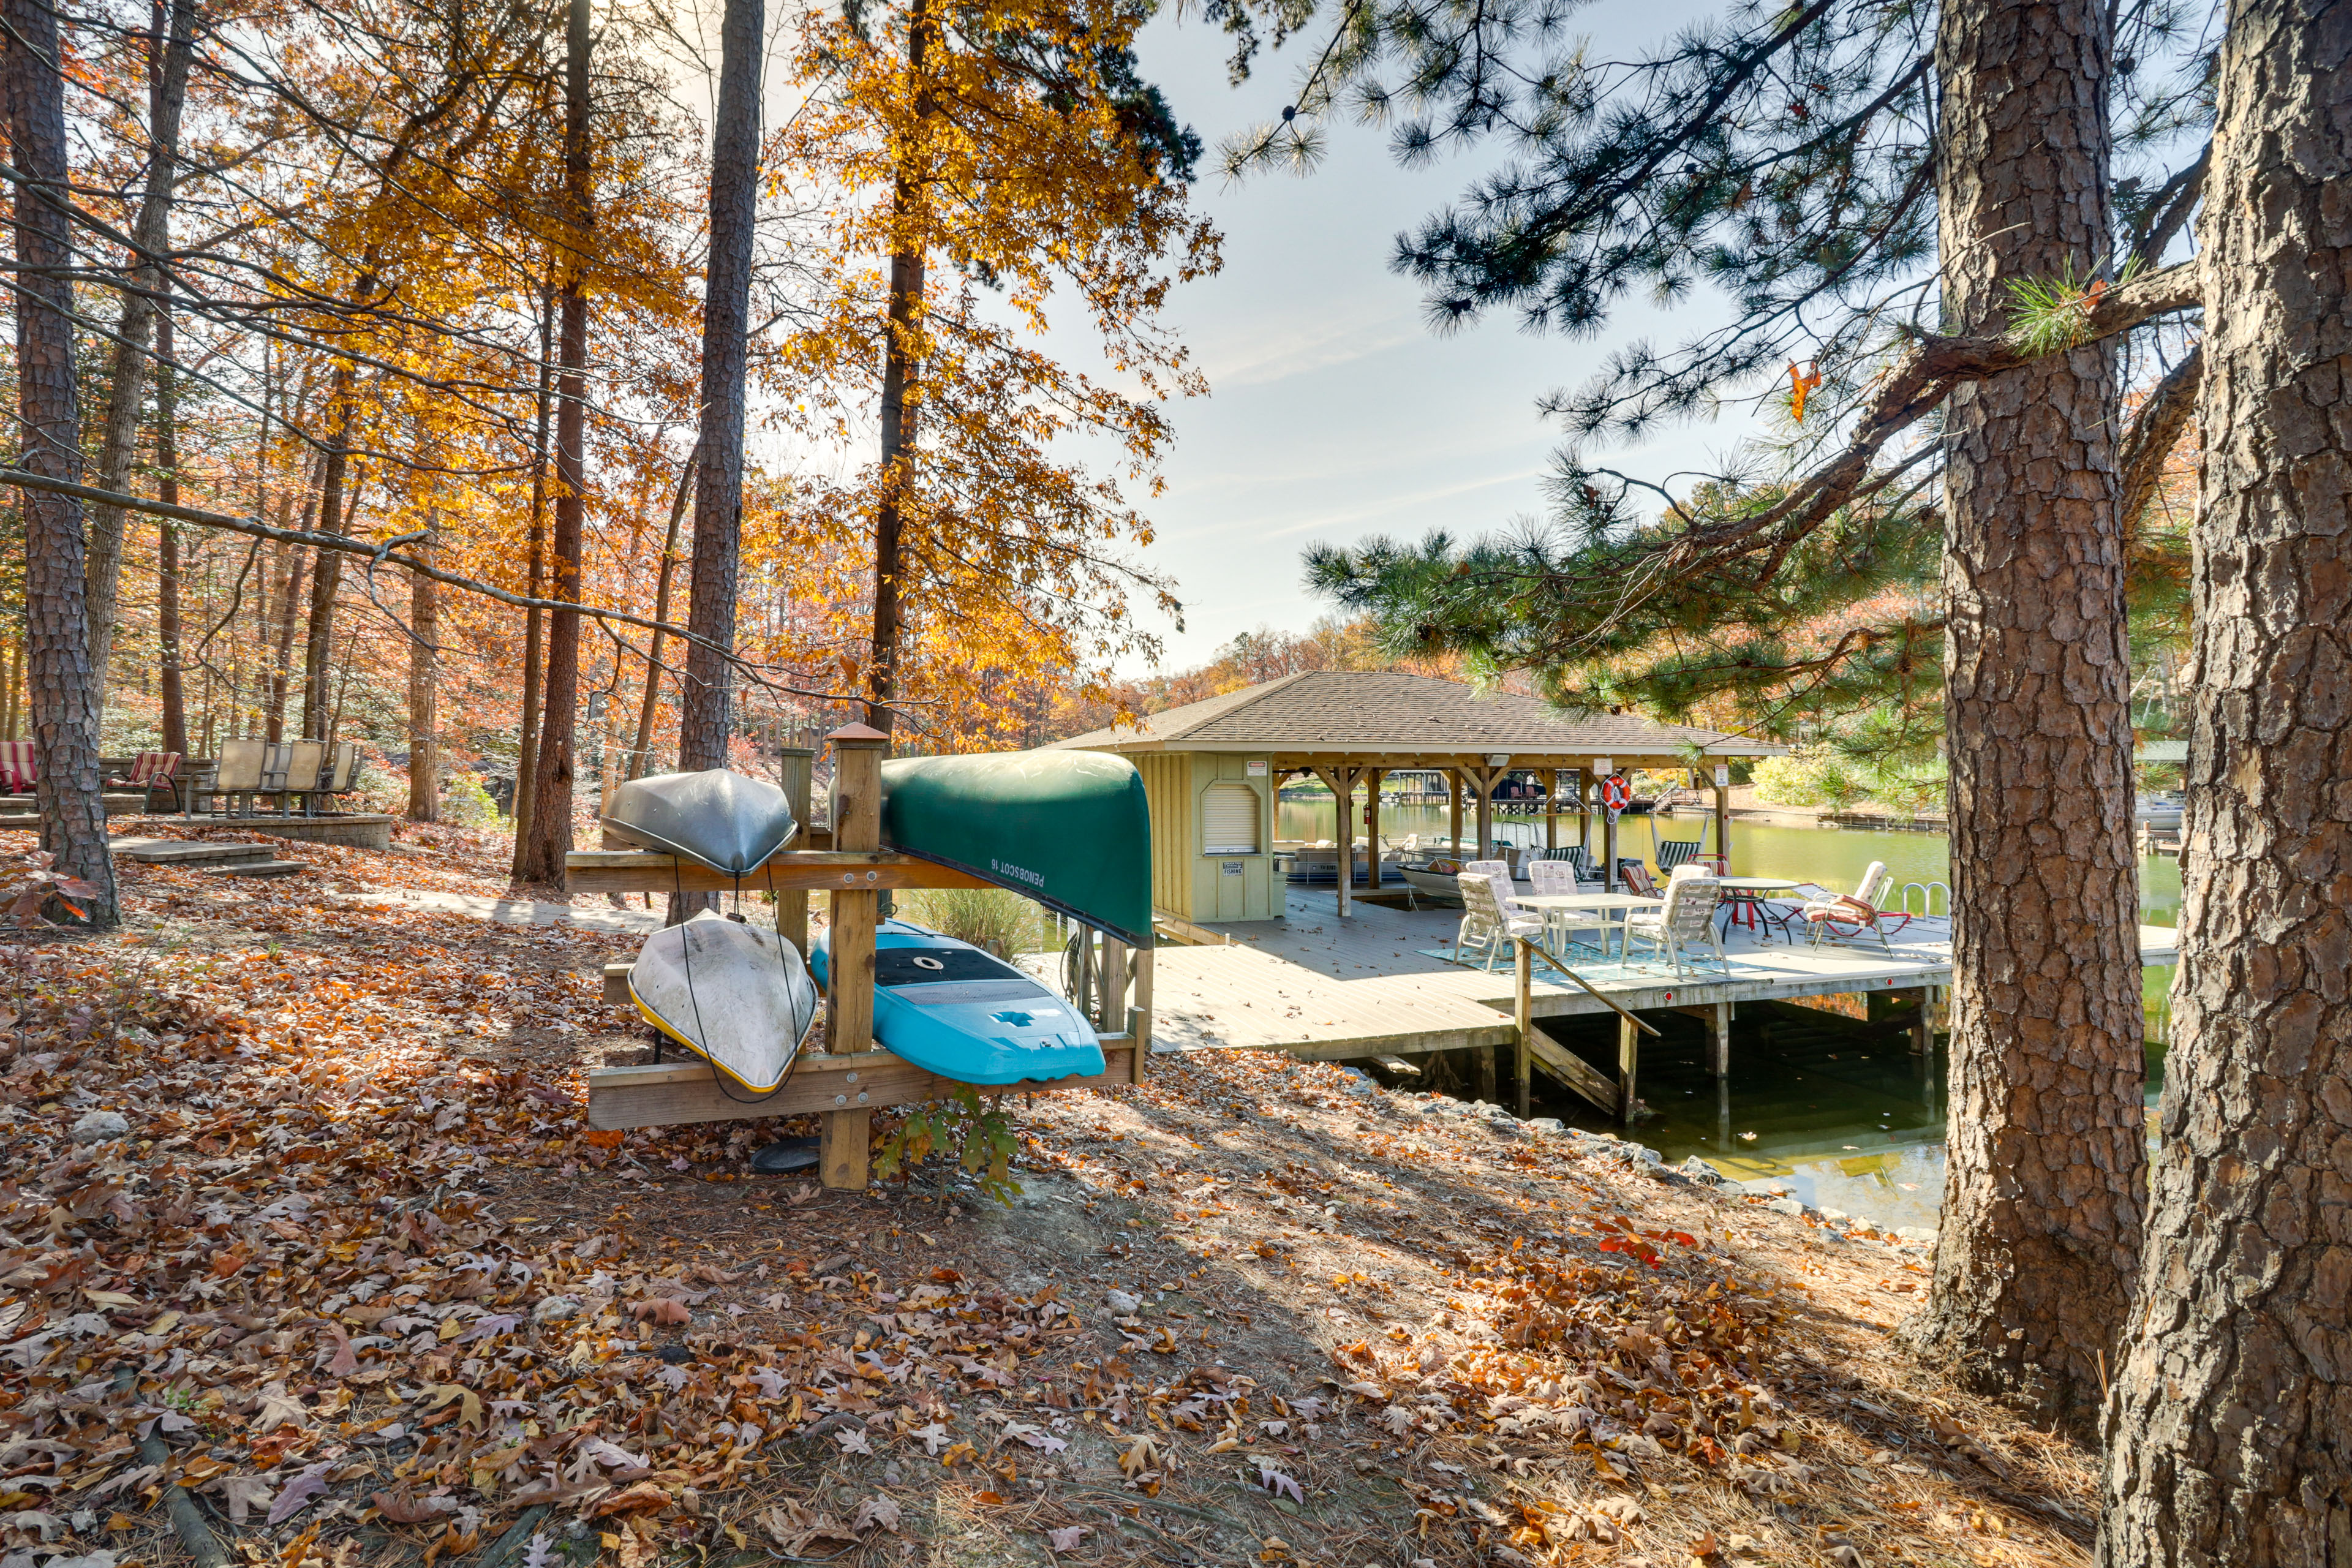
1486,921
1687,916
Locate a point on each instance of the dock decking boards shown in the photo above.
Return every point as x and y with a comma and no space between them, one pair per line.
1328,989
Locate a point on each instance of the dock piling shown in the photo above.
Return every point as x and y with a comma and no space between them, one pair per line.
1629,1065
1523,1014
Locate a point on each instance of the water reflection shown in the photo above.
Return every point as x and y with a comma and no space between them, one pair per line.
1845,1117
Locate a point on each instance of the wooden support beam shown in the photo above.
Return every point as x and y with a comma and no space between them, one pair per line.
1397,1067
1629,1069
1568,1070
1552,808
667,1094
797,766
800,870
1523,1015
1110,1003
1453,811
849,948
616,980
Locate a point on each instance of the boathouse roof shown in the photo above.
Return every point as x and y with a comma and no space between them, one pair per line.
1371,713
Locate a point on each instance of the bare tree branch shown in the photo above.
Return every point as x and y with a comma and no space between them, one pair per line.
2155,431
381,554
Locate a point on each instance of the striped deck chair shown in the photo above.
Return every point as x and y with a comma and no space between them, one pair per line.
1577,857
20,767
151,771
1674,852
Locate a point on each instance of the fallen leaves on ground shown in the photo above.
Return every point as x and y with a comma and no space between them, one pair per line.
363,1266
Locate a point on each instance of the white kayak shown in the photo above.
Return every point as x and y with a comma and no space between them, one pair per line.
736,994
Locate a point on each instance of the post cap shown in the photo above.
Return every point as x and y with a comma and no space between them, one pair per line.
858,735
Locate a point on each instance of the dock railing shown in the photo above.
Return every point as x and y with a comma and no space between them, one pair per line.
1927,892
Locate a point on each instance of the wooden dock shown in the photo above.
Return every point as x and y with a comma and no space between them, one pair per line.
1378,984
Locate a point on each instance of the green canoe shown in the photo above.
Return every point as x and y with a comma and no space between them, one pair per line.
1069,829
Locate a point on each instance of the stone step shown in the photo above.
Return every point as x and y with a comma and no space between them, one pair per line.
260,867
181,852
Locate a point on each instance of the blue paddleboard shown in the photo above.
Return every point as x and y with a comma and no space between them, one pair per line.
954,1010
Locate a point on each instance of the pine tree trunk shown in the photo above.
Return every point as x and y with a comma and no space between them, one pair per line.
424,693
704,719
910,261
541,859
167,556
2226,1439
151,235
2041,1209
60,687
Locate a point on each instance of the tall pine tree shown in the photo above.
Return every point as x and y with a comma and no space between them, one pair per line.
1916,205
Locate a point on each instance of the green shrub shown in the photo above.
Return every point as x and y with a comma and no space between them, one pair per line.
984,917
466,804
1812,778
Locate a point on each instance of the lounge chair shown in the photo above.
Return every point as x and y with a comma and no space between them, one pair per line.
1485,920
1678,852
20,767
1687,916
1636,878
1844,917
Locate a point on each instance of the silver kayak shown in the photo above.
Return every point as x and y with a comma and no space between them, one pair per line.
728,821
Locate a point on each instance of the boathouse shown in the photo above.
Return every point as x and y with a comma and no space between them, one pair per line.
1213,770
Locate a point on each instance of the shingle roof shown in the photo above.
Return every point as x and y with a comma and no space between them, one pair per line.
1359,710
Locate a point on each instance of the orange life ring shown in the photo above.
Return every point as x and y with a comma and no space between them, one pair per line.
1616,793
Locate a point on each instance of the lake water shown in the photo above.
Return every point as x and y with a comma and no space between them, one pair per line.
1846,1119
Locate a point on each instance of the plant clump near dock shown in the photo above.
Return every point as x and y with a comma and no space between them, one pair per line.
352,1254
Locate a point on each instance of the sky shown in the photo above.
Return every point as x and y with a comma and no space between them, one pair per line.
1335,413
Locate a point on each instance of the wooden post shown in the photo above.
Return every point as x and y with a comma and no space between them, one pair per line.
1342,783
849,948
1584,811
1484,784
1138,1016
1629,1069
1453,812
1523,1013
1722,826
1372,777
796,764
1718,1040
1110,1014
1552,808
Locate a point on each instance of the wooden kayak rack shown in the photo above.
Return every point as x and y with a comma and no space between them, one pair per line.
850,1078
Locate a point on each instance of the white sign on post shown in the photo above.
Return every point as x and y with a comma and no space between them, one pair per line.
1255,768
1601,768
1723,776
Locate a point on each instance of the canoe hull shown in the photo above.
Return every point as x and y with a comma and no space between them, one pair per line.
734,994
952,1009
1069,829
